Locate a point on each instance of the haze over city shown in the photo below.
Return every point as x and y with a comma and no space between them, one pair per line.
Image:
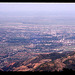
37,37
23,9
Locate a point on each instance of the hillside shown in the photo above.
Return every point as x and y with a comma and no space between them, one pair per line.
45,62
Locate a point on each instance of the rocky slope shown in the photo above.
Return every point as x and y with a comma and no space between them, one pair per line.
45,62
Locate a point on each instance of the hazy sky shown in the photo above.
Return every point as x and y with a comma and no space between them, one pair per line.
37,8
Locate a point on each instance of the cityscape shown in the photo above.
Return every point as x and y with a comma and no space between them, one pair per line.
25,38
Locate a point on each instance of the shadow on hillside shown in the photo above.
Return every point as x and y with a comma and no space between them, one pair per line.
64,70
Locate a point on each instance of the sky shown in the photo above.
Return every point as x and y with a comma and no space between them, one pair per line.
22,9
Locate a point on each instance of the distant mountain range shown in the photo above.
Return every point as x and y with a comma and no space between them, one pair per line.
45,62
